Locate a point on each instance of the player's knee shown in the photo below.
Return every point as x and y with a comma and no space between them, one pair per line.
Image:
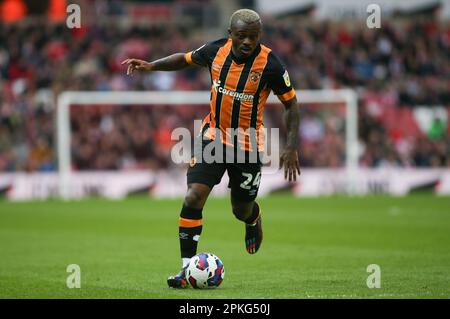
238,214
194,198
241,212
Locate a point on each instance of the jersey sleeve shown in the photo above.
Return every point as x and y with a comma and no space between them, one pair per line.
279,80
204,55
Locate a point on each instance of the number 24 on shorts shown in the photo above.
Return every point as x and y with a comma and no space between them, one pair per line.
246,184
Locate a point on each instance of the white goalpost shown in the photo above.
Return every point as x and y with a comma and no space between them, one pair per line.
68,98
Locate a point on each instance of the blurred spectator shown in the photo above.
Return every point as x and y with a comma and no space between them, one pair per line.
395,68
12,10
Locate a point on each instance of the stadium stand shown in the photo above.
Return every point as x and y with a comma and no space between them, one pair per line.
400,71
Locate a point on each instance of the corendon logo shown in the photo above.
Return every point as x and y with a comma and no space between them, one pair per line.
234,94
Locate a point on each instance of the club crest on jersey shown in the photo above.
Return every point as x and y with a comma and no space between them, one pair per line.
287,81
254,76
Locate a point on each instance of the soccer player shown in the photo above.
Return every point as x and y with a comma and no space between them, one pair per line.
243,73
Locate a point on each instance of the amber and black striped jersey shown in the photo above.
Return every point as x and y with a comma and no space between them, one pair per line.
240,89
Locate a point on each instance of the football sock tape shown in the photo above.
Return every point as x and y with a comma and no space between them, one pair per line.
190,228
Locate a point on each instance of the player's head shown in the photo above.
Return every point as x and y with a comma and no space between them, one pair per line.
245,32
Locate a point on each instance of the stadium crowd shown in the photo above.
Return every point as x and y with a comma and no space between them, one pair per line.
395,69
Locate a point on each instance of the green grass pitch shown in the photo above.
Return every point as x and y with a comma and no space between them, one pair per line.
312,248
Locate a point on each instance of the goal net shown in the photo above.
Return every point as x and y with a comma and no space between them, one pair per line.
71,104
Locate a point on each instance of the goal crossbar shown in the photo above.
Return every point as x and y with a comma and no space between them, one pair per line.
68,98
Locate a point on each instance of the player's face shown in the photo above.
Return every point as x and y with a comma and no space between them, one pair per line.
245,38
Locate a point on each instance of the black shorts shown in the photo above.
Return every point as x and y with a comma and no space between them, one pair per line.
244,175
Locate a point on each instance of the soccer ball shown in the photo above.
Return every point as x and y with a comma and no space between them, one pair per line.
205,270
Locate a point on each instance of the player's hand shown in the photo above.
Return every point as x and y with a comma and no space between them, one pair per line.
289,160
136,64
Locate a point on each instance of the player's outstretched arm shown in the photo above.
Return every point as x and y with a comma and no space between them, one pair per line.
289,156
173,62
